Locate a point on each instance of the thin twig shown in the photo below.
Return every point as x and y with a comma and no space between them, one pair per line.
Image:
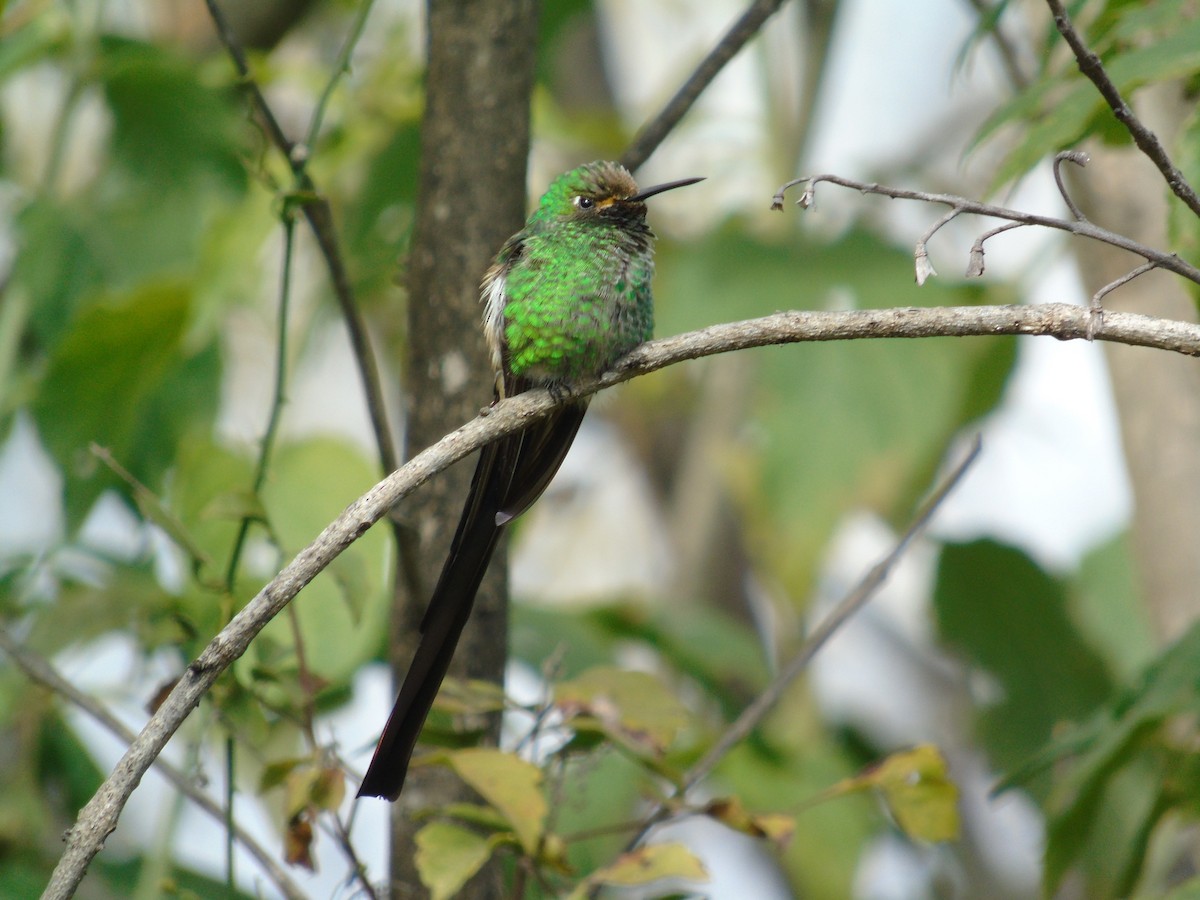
866,588
320,221
655,131
921,254
234,48
1146,140
342,834
341,67
99,816
278,394
1095,303
39,671
975,263
1085,228
1080,159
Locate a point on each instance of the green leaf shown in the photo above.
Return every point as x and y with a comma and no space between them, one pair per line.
277,772
510,784
63,268
1011,619
100,380
1106,833
1106,599
381,218
632,707
39,36
168,126
1118,762
487,817
448,856
1183,225
204,471
342,613
1063,107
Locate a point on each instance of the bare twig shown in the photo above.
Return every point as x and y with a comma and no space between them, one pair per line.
38,670
852,603
340,68
1080,159
320,221
1124,279
921,255
975,264
866,588
278,393
653,132
1146,140
1066,322
1096,307
342,834
1084,228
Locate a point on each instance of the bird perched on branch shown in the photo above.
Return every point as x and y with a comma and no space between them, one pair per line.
567,296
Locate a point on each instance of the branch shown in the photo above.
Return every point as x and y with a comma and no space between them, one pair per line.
1146,140
99,817
655,131
866,588
1081,227
39,671
320,220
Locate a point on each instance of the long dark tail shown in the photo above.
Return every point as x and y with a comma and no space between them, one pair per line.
510,476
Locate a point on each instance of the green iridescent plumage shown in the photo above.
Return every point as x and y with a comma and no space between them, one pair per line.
568,295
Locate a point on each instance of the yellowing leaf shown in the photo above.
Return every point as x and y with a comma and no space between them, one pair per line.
511,785
329,788
313,787
730,812
633,707
447,856
650,863
918,792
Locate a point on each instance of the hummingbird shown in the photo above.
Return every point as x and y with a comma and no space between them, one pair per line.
566,297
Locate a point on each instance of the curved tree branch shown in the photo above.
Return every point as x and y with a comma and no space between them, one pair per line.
1066,322
1080,227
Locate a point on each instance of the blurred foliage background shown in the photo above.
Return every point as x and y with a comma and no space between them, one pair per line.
146,226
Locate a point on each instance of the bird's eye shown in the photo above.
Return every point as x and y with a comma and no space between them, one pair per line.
585,202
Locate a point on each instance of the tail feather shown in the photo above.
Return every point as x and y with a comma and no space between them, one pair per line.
511,474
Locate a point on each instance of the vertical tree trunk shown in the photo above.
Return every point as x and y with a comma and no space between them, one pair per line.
1157,394
474,145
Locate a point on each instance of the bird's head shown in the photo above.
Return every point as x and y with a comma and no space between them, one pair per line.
600,191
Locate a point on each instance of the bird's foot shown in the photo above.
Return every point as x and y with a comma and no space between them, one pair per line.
560,390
